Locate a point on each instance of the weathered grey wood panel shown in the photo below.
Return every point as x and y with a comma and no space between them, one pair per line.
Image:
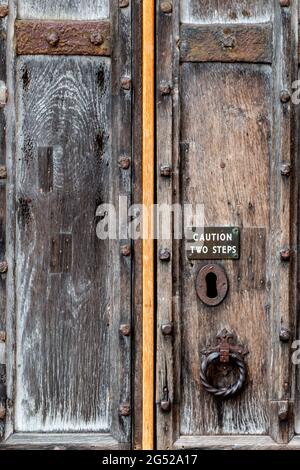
63,9
228,150
225,11
62,273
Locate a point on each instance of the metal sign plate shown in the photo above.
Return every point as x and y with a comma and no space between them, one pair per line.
212,243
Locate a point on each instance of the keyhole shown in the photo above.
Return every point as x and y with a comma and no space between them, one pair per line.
211,285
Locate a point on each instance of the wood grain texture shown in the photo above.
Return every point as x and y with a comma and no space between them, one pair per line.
225,11
230,43
63,9
239,152
63,315
3,27
70,37
234,443
148,244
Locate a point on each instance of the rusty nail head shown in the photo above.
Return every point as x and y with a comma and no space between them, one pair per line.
2,412
96,38
165,405
2,336
124,409
285,254
3,11
167,329
284,3
166,7
3,172
126,83
285,96
164,254
286,169
124,162
125,250
123,3
125,330
53,38
3,267
283,411
165,170
165,88
285,334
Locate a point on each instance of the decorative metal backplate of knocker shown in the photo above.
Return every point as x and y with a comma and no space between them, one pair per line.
225,353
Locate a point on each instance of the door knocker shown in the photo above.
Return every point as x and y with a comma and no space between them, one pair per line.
224,353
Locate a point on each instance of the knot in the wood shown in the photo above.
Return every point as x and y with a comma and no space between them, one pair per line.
166,7
285,169
3,267
96,38
285,96
3,172
52,39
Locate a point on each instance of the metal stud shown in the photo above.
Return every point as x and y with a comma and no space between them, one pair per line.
53,39
285,96
285,254
4,11
125,330
125,250
3,267
165,170
164,254
123,3
285,334
96,38
284,3
165,88
126,83
124,409
285,169
167,329
166,7
3,172
124,162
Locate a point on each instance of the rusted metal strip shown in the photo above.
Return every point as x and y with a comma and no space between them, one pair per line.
63,38
226,43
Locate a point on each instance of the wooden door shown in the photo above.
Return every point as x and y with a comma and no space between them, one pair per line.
226,132
65,298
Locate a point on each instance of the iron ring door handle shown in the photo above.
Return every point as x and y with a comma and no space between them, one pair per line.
224,353
224,392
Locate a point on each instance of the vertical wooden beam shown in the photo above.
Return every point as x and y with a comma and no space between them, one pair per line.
148,244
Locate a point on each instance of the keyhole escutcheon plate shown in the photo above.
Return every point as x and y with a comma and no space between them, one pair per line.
212,284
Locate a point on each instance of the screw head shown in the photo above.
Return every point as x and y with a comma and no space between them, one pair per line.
124,162
124,409
285,96
166,7
125,330
285,254
167,329
285,169
165,170
3,172
126,83
164,254
96,38
125,250
52,39
285,334
3,267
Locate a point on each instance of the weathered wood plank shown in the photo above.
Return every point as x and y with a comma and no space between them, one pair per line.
215,172
63,9
226,11
230,43
63,311
63,38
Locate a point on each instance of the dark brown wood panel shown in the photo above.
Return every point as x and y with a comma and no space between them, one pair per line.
228,150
